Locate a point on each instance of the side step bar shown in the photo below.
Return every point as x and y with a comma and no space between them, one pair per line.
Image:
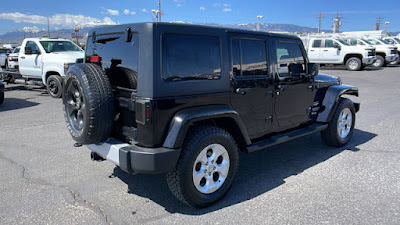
280,138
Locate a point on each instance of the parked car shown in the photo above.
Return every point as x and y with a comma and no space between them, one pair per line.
338,52
12,59
3,56
48,60
184,100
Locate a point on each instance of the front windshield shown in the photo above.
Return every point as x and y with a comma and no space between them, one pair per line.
398,40
385,41
372,42
16,50
342,42
59,46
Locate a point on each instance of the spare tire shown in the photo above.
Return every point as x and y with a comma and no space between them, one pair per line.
88,104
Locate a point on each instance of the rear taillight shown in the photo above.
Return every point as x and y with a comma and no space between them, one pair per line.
143,111
94,59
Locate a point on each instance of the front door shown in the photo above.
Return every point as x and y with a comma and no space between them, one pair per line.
30,65
294,91
251,84
330,53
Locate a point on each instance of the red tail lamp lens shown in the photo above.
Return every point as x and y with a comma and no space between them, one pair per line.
95,59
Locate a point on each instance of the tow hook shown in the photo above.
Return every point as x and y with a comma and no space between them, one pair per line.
96,157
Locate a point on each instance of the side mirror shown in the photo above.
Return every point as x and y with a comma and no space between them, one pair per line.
295,69
336,45
313,69
28,50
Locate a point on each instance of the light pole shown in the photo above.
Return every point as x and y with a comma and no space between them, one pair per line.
259,17
386,23
157,13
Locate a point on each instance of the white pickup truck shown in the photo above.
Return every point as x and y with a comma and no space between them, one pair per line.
396,42
48,60
338,52
385,53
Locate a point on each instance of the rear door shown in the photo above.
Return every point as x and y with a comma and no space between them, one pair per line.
251,83
314,53
30,65
294,90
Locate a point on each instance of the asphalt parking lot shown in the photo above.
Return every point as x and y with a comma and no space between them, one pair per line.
45,180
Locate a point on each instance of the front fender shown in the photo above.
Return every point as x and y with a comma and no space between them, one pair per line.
331,100
186,117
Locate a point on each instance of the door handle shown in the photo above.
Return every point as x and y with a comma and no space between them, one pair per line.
311,50
325,50
242,91
22,57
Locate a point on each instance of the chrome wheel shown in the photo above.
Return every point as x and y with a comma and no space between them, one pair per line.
353,65
211,168
75,107
53,87
344,123
377,62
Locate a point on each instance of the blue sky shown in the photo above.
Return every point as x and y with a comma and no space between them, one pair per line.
357,15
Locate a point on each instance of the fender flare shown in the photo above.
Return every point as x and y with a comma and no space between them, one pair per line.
54,70
183,119
331,100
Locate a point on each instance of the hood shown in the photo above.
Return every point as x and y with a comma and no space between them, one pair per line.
358,47
327,80
67,57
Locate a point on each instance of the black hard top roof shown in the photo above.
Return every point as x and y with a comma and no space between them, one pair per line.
116,28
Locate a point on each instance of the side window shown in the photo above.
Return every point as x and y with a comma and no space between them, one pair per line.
249,57
290,59
360,42
33,45
190,57
328,43
316,44
390,41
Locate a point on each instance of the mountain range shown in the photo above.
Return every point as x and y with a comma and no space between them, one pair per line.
16,36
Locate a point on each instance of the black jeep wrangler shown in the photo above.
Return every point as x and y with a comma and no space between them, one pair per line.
184,100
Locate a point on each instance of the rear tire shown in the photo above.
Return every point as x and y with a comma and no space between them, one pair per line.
54,86
353,64
341,127
206,167
88,104
123,77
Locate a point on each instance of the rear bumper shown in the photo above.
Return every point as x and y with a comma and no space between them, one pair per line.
136,159
368,60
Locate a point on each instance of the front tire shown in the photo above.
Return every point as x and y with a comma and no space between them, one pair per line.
341,127
54,86
353,64
380,61
206,167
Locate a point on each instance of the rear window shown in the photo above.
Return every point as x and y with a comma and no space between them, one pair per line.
113,51
190,57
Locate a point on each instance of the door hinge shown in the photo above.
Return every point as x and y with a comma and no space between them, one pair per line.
268,119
